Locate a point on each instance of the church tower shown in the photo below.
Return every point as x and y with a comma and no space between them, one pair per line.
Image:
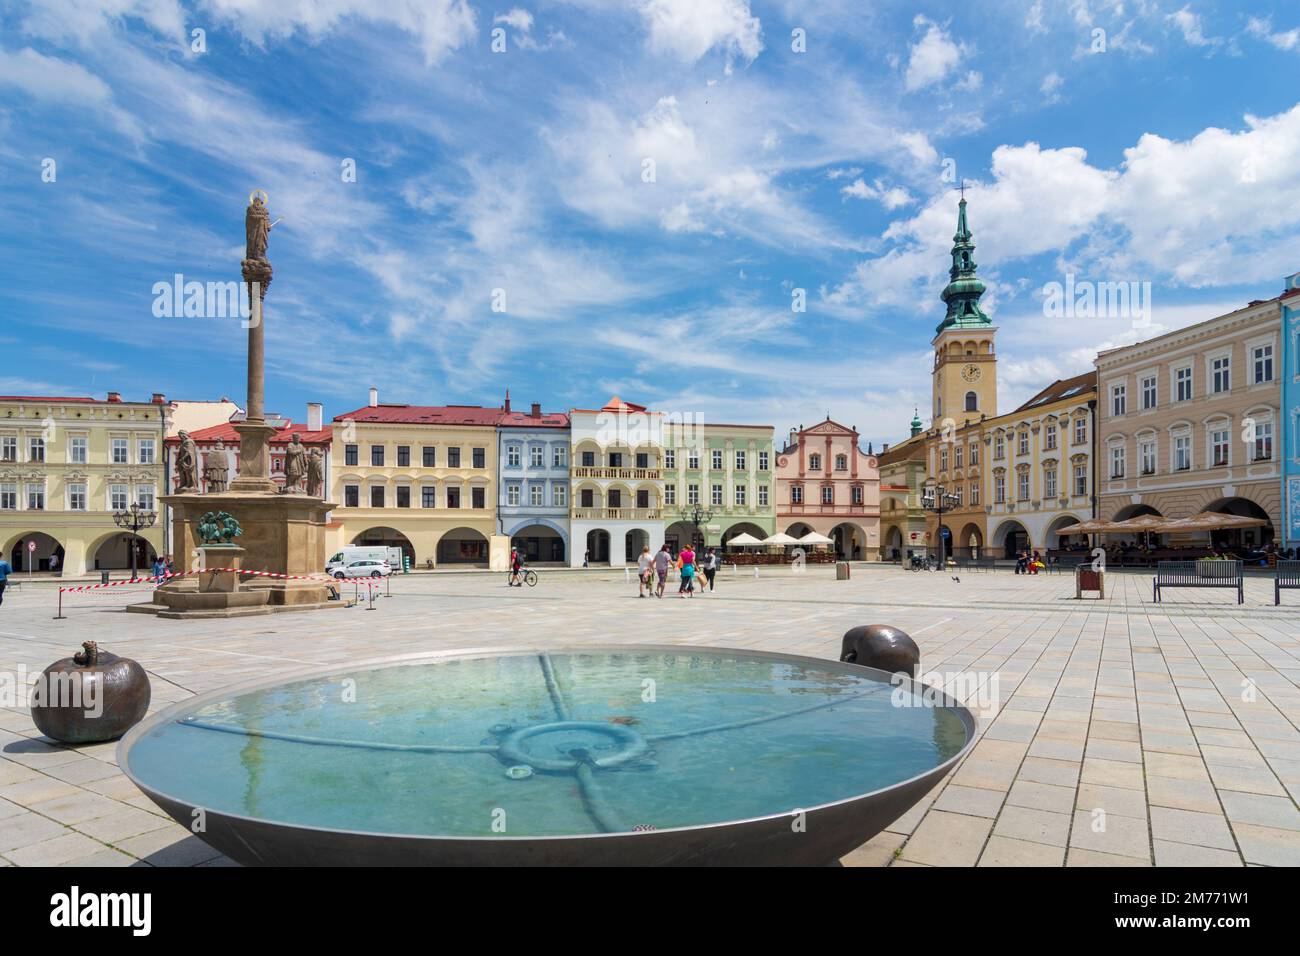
965,382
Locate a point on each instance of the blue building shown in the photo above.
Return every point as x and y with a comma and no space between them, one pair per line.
1291,412
533,482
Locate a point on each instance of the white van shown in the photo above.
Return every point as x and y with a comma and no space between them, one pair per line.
364,552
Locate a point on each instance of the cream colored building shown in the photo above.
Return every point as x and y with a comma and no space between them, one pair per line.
419,477
66,464
1189,422
902,482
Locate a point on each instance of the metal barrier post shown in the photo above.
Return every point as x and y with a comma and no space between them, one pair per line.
59,616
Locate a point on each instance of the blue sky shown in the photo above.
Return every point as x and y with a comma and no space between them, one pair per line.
1166,157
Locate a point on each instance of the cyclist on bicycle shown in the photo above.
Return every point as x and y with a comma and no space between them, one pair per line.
516,566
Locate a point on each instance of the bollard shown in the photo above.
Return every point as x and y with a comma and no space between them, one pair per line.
389,582
59,616
627,575
371,590
756,570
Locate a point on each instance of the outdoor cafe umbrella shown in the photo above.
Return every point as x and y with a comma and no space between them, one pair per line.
812,537
743,540
1084,527
780,538
1213,521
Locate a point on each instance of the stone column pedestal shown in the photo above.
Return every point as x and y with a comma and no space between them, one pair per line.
223,560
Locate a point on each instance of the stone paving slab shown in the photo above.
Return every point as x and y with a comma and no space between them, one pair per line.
1126,733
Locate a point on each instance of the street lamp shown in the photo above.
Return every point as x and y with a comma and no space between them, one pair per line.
133,519
937,499
697,515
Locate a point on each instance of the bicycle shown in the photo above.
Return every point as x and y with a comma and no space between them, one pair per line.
525,575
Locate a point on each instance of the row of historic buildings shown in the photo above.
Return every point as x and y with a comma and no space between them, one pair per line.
1206,418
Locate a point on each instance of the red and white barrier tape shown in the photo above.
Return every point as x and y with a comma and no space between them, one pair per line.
169,576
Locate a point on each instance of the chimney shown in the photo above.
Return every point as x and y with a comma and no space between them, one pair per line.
537,410
794,436
884,448
116,397
506,407
374,397
315,416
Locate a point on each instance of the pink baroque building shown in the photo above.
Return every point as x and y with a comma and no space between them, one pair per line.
826,483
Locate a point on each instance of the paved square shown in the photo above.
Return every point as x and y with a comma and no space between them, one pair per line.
1128,733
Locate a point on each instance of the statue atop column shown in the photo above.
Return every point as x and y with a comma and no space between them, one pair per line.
187,465
295,465
315,474
217,472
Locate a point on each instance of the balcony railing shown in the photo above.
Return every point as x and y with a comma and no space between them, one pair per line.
617,514
628,474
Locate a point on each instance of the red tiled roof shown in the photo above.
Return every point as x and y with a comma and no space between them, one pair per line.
226,432
1063,388
468,415
615,404
524,420
44,398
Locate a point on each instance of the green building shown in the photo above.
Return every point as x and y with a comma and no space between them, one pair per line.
719,481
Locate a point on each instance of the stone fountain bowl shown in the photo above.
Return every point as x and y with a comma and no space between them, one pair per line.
605,755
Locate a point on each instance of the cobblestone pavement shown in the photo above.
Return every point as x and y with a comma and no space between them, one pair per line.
1128,733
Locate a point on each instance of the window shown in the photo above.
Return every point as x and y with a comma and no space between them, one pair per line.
512,495
1080,431
1183,384
643,499
1148,452
1149,392
351,496
9,496
1118,400
740,496
692,494
717,495
77,497
815,462
956,456
512,456
377,455
999,489
377,496
740,461
428,496
670,458
145,450
616,459
1263,446
670,494
403,496
560,456
119,497
999,448
974,493
1182,453
535,495
349,454
1261,357
120,451
1080,480
1219,446
588,459
956,495
9,448
974,454
841,462
1049,436
943,458
144,496
404,456
643,459
972,403
856,495
828,494
77,450
560,495
453,497
1221,375
35,497
536,456
1022,445
1022,486
762,496
453,459
717,459
478,496
1049,482
480,460
1117,461
586,497
693,458
796,494
35,449
762,461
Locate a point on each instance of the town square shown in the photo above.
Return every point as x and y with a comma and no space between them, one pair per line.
648,434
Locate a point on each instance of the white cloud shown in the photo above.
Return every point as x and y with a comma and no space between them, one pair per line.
1262,28
1051,86
688,29
518,18
932,57
1189,25
50,79
1034,18
889,197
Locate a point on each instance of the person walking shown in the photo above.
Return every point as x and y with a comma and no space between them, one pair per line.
710,567
5,571
515,565
687,568
159,569
663,558
644,572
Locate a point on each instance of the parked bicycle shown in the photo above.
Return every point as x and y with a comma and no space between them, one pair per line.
923,563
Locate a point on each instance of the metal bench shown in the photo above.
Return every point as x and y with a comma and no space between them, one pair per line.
976,564
1199,574
1286,575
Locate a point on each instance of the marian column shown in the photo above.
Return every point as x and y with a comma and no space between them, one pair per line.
254,433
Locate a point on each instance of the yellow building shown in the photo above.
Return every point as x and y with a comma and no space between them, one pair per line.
66,464
419,477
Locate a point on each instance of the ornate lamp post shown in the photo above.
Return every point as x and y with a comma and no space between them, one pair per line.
937,499
133,519
697,515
